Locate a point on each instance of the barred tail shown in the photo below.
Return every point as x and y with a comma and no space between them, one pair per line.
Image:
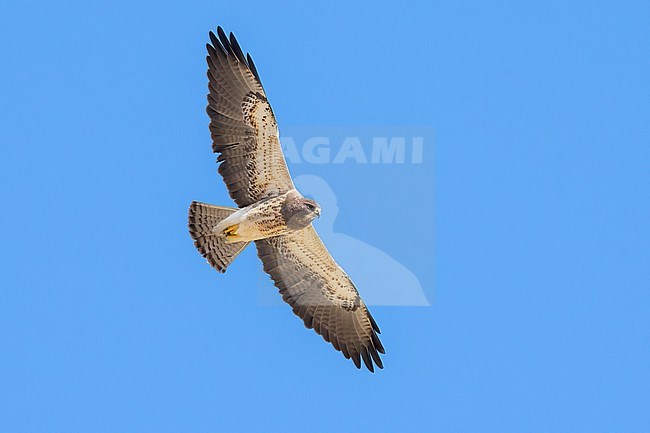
202,218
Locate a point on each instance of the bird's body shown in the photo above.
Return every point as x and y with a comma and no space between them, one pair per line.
274,216
271,212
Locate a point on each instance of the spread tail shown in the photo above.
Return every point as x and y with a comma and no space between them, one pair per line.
202,219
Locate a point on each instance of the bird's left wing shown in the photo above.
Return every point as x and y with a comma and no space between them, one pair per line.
322,294
244,129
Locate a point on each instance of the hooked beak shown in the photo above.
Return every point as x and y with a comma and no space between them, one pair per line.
317,212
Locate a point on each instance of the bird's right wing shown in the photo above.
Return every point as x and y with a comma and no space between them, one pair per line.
244,129
322,294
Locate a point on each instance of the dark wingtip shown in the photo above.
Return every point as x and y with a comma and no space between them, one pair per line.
252,67
224,40
377,343
230,46
216,45
356,359
367,360
237,49
375,356
210,50
213,38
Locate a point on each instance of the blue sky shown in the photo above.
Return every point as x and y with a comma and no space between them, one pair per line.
530,209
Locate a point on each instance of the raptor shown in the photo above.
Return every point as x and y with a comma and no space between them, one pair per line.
271,212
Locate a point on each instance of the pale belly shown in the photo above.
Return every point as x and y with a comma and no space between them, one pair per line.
258,221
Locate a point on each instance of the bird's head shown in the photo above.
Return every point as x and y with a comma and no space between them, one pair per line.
300,212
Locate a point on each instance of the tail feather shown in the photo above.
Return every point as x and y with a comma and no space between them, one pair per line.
202,218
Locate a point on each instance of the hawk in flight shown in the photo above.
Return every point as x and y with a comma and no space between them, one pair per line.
271,212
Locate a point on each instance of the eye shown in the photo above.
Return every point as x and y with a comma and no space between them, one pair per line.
310,206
